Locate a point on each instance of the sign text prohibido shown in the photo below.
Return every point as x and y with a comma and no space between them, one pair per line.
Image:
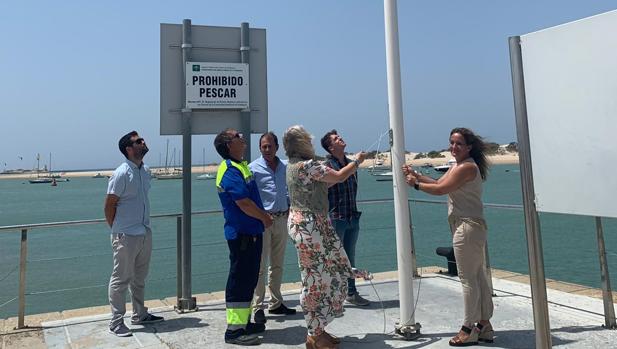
211,85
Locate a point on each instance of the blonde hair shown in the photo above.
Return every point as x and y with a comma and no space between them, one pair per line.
297,143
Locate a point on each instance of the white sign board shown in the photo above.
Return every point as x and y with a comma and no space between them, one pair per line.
570,74
212,44
217,85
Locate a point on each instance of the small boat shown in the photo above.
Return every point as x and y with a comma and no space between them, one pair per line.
40,180
206,176
383,176
446,167
170,174
376,169
98,175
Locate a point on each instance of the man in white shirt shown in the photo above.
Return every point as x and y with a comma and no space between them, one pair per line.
127,211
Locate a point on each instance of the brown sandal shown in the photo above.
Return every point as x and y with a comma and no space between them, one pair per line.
458,341
486,334
320,342
333,339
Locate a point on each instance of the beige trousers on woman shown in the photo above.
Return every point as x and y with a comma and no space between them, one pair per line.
468,241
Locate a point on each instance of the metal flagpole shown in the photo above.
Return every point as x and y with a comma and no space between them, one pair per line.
407,326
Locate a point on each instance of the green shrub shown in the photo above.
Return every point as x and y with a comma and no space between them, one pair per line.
433,154
512,147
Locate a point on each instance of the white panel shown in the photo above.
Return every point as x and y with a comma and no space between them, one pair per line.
570,76
211,44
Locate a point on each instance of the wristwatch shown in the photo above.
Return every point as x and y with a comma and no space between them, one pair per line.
416,186
357,163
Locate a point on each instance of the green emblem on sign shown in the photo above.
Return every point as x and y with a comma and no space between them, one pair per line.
195,67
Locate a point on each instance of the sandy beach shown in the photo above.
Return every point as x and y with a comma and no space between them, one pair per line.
501,159
508,158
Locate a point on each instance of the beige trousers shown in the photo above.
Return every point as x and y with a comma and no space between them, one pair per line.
131,256
272,258
468,241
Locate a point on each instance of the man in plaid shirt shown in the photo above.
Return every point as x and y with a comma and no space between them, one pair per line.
344,212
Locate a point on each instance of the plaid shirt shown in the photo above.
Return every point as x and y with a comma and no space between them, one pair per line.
342,196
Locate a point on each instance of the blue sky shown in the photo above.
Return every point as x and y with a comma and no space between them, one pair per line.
76,75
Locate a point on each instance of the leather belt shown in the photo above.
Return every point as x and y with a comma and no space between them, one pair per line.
279,213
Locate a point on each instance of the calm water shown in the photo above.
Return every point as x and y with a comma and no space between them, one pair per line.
70,267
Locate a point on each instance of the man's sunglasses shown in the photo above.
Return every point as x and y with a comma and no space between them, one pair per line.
139,141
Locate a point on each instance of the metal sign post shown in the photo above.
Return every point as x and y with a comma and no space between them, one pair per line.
245,114
607,294
532,223
187,302
211,64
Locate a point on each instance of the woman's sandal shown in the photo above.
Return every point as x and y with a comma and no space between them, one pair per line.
333,339
486,334
472,338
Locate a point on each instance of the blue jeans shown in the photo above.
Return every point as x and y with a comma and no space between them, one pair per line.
347,230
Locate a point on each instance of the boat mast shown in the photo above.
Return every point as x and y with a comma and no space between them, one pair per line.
166,155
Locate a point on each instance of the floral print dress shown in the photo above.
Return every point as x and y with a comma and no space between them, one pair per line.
324,266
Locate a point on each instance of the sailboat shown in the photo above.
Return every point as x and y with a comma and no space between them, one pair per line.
378,164
168,173
205,175
57,177
39,179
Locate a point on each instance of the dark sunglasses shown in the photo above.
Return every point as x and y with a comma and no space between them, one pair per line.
139,141
237,135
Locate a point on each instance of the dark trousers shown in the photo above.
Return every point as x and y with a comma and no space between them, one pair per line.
348,231
244,259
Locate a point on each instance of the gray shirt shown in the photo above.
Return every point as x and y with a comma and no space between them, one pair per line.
131,184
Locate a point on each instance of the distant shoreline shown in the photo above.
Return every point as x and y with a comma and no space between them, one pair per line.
508,158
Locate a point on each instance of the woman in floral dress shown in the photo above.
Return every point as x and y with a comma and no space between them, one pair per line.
324,266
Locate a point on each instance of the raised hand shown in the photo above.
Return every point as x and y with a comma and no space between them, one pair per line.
361,156
411,179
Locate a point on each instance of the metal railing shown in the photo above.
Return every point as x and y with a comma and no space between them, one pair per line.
24,229
24,249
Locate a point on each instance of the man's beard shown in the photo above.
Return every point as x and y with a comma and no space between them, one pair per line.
144,151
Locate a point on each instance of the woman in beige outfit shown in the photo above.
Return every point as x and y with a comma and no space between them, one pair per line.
463,185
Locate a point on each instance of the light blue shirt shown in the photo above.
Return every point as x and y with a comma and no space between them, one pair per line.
131,184
272,185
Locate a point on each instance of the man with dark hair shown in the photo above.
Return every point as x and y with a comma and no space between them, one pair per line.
245,220
344,212
270,172
127,211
